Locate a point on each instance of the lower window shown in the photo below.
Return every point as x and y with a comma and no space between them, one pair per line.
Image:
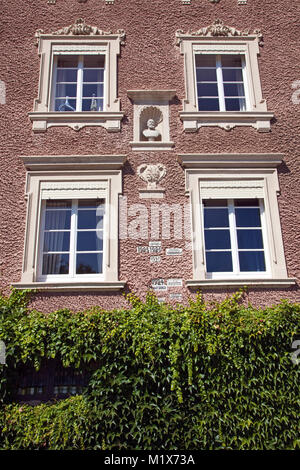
234,236
71,239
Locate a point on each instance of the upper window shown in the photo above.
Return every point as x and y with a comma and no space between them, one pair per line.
236,239
78,83
222,79
221,82
78,75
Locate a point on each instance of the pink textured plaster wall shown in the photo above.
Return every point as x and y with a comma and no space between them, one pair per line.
149,60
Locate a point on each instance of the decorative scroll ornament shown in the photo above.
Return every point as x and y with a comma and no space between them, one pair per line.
80,28
152,174
218,29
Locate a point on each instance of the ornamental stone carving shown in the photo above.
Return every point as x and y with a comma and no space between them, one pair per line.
219,29
152,174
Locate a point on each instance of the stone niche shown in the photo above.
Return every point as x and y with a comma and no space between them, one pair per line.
151,129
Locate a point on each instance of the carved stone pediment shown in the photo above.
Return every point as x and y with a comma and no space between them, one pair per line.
219,29
152,174
80,28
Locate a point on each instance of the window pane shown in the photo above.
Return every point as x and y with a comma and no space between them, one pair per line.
216,218
67,61
92,104
66,90
206,75
234,89
57,219
247,217
207,89
217,239
90,75
89,219
208,104
65,105
67,75
90,241
56,241
252,261
55,203
232,75
205,60
94,61
56,264
246,202
238,104
92,204
219,261
89,263
231,60
90,90
250,239
215,202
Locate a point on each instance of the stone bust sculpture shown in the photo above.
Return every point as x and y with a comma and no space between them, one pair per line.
151,133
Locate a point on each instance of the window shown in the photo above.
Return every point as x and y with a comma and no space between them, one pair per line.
78,79
79,83
236,234
222,79
221,82
71,240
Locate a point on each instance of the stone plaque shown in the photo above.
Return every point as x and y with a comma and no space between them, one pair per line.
154,249
174,251
174,283
155,259
158,282
160,288
142,249
176,296
154,243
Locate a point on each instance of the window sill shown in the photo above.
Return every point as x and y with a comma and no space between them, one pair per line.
72,287
148,146
254,283
41,121
260,120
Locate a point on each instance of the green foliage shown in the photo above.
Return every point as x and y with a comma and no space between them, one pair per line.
202,376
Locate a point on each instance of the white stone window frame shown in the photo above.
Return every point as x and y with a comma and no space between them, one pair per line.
256,116
49,46
73,177
237,171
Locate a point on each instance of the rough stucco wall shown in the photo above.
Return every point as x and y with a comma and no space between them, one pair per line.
149,60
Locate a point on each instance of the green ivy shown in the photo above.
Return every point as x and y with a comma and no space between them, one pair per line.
204,376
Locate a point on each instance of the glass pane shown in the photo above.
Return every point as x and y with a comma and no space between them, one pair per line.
219,261
89,263
65,75
56,264
207,89
252,261
232,75
91,204
55,203
208,104
238,104
65,105
94,61
92,104
246,217
249,239
231,60
58,219
66,90
90,90
216,218
67,61
215,202
206,75
56,241
217,239
90,219
246,202
90,75
234,89
90,241
205,60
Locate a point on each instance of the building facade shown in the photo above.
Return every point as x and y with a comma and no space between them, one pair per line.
149,145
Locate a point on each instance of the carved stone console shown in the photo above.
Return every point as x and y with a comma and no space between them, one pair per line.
151,119
152,174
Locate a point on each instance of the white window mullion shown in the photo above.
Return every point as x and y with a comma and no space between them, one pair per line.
246,88
73,238
220,83
233,237
79,83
